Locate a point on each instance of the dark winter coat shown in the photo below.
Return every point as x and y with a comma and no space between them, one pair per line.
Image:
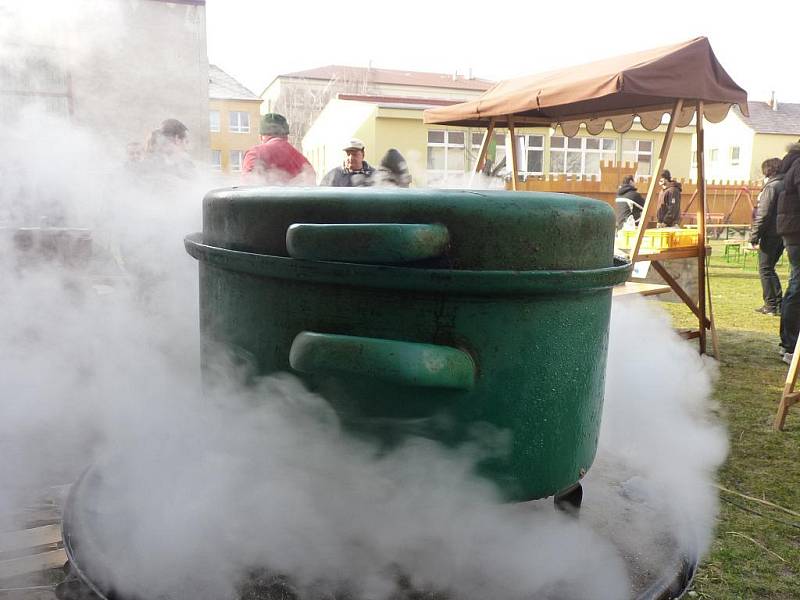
669,208
341,177
765,222
788,222
633,206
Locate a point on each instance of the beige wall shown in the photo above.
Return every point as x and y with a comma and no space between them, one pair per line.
339,121
226,140
768,146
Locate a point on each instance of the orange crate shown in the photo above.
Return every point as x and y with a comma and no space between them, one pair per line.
682,238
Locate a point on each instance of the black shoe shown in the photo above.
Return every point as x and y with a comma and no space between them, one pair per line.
763,309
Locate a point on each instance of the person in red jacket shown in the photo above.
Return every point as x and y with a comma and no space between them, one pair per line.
275,161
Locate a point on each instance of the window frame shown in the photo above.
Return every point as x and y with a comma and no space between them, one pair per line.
569,147
235,166
636,152
211,121
239,127
216,165
735,161
448,148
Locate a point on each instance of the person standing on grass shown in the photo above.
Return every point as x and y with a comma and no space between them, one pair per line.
765,236
669,201
788,227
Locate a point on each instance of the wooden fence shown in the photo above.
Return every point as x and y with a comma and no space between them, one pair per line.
726,201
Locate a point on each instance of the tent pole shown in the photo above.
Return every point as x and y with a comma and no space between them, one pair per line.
514,163
651,188
701,227
485,146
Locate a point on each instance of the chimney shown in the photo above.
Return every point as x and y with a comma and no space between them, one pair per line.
470,74
455,75
773,104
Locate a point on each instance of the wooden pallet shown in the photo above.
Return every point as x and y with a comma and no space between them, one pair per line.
31,550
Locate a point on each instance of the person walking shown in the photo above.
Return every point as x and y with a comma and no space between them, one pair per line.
765,236
669,207
628,204
354,172
275,161
788,227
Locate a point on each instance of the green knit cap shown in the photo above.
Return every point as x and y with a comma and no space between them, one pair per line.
274,124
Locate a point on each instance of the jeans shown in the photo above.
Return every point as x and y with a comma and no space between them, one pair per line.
769,253
790,309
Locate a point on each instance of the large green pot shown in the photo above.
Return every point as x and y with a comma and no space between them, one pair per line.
494,310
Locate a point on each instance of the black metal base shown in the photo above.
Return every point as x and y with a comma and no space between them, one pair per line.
569,501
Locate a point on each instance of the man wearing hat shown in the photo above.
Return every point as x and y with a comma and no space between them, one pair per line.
355,172
275,161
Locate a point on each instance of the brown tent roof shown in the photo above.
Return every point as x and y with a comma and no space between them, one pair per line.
644,84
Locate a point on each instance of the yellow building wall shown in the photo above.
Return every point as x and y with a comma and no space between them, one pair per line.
402,128
769,145
225,140
338,122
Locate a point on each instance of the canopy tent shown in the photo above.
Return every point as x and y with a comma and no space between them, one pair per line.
684,79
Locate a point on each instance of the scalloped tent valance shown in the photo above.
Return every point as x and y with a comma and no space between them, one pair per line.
645,84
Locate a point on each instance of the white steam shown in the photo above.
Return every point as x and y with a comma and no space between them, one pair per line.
99,364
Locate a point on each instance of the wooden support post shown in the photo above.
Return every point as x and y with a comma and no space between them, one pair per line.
487,139
514,159
789,396
701,227
676,287
651,188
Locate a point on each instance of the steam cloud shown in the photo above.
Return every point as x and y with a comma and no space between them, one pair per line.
99,365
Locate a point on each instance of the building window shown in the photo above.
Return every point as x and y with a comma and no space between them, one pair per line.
580,155
216,160
534,153
694,159
734,155
213,119
713,155
236,160
446,150
239,122
640,152
499,149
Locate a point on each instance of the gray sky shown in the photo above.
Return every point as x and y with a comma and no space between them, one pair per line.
254,40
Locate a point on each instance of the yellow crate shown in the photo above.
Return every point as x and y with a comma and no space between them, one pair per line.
625,238
684,237
656,239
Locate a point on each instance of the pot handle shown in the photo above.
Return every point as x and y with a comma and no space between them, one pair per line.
370,243
405,363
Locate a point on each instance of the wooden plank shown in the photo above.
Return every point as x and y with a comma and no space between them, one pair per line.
485,146
29,538
670,253
689,335
662,157
24,565
676,287
631,288
701,226
789,395
514,158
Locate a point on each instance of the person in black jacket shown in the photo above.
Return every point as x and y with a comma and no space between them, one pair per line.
765,236
628,203
669,207
788,226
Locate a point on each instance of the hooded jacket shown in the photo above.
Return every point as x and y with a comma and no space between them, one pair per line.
788,220
669,208
277,162
629,202
765,221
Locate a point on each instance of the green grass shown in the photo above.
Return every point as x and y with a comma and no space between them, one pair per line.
762,463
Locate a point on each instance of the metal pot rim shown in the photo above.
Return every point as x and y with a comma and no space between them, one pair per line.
465,282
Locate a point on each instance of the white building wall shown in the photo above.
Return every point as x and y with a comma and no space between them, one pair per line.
720,138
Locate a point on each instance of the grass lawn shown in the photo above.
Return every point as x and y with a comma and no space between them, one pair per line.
756,551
